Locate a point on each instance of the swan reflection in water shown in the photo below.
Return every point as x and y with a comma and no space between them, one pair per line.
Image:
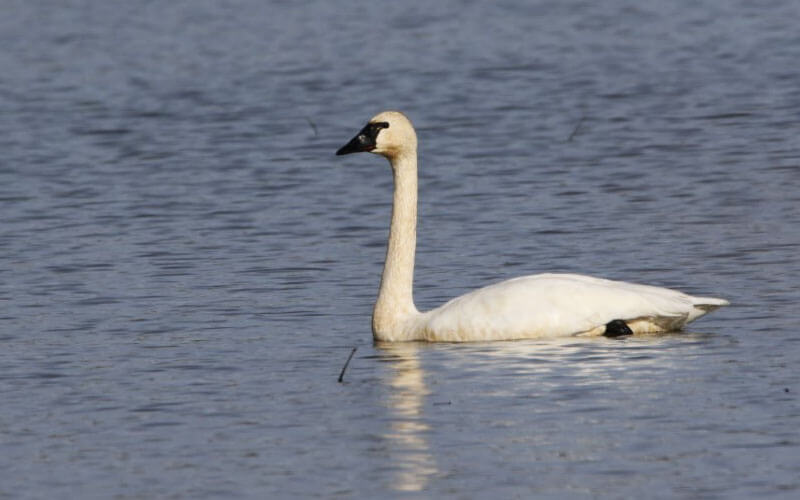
550,377
407,435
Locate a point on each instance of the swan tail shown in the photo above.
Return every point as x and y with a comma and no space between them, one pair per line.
704,305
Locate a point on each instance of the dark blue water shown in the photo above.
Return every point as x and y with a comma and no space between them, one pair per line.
185,266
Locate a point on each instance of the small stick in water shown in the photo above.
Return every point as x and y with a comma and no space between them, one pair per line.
313,126
575,130
341,375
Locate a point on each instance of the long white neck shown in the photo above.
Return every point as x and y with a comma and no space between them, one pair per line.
395,304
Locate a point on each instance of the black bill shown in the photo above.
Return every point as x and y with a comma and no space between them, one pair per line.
364,140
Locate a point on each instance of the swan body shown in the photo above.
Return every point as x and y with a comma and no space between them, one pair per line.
537,306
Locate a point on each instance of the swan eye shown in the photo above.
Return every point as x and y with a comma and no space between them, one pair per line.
376,127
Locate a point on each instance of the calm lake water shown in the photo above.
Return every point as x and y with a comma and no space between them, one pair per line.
185,265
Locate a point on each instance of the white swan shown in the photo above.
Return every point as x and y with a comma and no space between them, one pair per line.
538,306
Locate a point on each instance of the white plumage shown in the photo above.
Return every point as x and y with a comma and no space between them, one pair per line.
552,305
538,306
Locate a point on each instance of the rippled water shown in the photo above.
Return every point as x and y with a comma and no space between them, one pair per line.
185,266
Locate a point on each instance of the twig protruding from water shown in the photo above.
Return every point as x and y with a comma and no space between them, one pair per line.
575,130
341,375
313,126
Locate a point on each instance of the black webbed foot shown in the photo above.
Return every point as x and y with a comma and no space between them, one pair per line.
617,328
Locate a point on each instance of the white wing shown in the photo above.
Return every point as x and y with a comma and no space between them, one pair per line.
551,305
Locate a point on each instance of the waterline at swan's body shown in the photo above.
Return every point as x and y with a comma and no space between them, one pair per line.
539,306
552,305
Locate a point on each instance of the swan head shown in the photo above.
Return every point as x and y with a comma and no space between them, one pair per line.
388,134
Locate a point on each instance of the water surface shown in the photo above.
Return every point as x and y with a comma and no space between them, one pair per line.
185,265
